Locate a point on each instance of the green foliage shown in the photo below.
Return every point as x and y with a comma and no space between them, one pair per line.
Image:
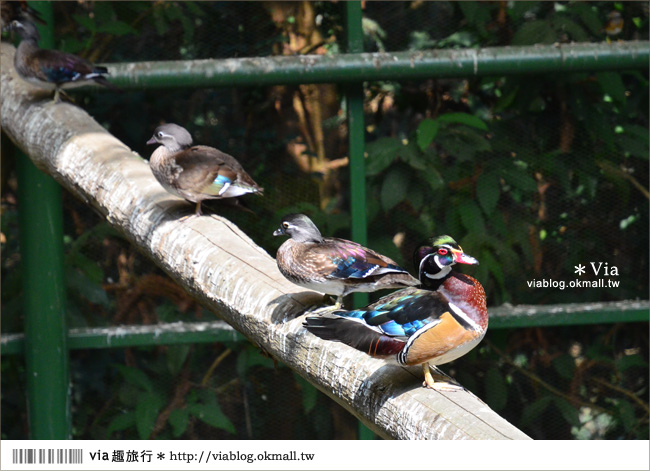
584,387
142,401
533,411
206,408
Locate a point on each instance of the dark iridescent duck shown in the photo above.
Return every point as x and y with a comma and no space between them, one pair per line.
196,173
434,324
51,69
333,266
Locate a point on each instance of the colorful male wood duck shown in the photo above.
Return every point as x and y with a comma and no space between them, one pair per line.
434,324
333,266
51,69
196,173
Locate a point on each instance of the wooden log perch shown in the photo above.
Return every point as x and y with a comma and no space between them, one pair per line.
226,271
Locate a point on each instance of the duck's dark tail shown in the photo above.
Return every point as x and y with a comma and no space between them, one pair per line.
100,79
354,332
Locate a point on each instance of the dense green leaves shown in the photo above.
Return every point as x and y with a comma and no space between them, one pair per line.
117,28
176,356
588,16
535,32
488,189
568,411
381,154
612,85
471,217
120,422
534,410
630,361
463,142
427,131
463,118
565,366
394,187
147,402
179,420
146,412
211,414
83,285
135,377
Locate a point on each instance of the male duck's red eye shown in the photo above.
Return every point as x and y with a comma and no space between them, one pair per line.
442,251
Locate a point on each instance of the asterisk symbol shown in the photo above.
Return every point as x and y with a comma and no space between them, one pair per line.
580,269
161,456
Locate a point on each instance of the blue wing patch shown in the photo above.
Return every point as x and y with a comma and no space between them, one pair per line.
350,267
220,184
222,180
401,316
60,74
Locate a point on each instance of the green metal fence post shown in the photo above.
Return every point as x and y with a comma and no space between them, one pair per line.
46,353
41,246
356,139
356,152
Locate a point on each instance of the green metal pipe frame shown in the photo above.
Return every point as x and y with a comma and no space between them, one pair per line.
359,67
44,302
44,294
356,139
136,336
356,150
208,332
553,315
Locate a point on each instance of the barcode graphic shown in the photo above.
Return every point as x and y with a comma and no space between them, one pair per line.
47,456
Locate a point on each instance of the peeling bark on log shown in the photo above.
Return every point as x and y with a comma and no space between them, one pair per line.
226,271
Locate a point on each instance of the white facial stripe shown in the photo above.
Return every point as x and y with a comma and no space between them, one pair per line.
444,271
422,261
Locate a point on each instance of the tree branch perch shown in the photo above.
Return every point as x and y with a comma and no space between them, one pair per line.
226,271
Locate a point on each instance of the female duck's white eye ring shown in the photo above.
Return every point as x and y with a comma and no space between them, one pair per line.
285,225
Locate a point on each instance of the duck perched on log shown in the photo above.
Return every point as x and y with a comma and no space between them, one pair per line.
196,173
333,266
431,325
51,69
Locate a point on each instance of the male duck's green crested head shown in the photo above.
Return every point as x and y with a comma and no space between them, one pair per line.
435,259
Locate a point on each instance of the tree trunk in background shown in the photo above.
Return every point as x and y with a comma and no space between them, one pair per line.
311,103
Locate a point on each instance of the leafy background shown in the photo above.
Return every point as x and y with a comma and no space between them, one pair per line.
532,174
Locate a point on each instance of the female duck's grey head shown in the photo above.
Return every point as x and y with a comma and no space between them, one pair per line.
300,228
172,136
26,30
